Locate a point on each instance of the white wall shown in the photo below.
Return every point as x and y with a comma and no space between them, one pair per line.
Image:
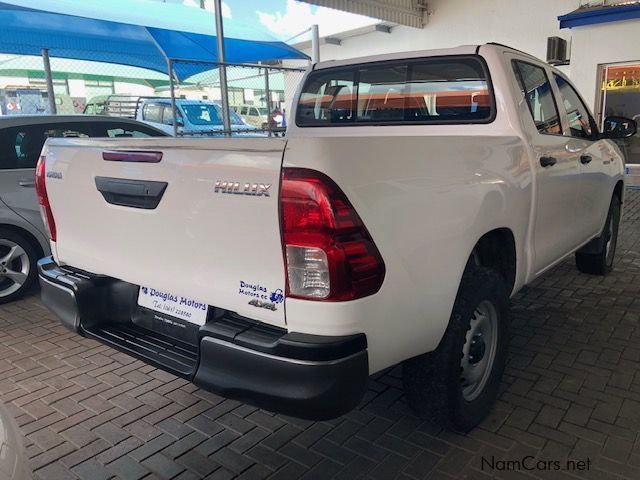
77,88
594,45
125,88
13,81
522,24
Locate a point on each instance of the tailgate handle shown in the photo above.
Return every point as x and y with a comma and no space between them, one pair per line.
131,193
131,156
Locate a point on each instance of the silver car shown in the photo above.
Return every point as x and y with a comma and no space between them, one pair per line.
23,239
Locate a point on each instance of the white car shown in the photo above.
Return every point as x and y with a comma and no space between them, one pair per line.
414,193
254,115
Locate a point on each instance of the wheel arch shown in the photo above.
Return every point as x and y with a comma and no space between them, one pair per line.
27,234
496,250
619,190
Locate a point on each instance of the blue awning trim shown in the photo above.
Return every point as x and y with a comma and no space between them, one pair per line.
25,31
596,15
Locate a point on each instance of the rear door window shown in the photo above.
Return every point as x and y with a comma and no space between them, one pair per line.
21,147
536,88
435,90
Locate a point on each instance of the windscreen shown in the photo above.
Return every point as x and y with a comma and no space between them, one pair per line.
452,89
208,114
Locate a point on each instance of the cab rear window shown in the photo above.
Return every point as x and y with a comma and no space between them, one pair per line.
452,89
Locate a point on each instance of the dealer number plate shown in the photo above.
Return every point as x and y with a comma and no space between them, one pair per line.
177,306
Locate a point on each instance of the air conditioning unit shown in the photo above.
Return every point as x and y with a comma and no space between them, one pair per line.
557,51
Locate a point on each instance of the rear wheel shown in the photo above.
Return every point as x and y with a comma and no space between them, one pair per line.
597,257
458,382
18,260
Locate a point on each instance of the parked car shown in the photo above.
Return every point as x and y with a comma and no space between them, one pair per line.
194,117
256,116
13,456
23,239
393,223
113,105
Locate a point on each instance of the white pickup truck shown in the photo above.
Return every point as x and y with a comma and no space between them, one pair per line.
413,194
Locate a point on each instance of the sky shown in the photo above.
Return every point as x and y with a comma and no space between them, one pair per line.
284,19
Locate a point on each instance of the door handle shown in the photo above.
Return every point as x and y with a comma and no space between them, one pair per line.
547,161
27,183
584,159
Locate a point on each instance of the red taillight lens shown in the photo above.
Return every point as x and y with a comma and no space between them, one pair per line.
329,253
43,199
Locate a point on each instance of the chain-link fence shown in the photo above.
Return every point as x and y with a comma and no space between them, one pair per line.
259,95
259,98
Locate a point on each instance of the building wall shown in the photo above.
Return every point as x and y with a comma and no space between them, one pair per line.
521,24
595,45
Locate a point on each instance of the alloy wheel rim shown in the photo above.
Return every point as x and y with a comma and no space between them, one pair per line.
479,350
14,267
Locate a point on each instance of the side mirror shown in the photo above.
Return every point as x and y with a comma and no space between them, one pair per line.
619,127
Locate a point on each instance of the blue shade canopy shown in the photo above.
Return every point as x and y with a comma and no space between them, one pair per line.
140,33
600,14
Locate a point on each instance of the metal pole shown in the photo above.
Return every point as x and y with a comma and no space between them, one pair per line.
49,79
315,44
224,90
172,88
267,94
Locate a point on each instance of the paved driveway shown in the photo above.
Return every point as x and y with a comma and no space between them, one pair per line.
569,407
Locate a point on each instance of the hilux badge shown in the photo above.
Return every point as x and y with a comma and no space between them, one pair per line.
254,189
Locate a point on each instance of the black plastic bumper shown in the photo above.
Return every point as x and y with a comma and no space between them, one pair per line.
308,376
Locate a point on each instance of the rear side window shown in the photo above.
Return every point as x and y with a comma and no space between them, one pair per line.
152,112
434,90
536,89
123,130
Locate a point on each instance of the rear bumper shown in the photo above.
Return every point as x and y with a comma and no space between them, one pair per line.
308,376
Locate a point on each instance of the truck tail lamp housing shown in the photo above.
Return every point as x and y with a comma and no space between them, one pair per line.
43,198
330,255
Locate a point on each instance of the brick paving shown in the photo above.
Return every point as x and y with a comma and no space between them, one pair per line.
571,393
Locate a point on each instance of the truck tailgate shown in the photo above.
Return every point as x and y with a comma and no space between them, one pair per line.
219,246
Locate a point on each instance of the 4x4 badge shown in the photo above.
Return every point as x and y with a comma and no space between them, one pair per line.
260,304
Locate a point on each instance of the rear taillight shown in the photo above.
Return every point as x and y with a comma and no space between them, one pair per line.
330,255
43,198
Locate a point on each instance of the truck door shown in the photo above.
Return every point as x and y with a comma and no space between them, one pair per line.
593,158
556,169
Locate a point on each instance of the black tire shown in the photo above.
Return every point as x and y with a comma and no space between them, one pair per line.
596,258
433,382
10,290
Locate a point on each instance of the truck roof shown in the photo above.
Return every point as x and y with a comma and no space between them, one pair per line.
460,50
